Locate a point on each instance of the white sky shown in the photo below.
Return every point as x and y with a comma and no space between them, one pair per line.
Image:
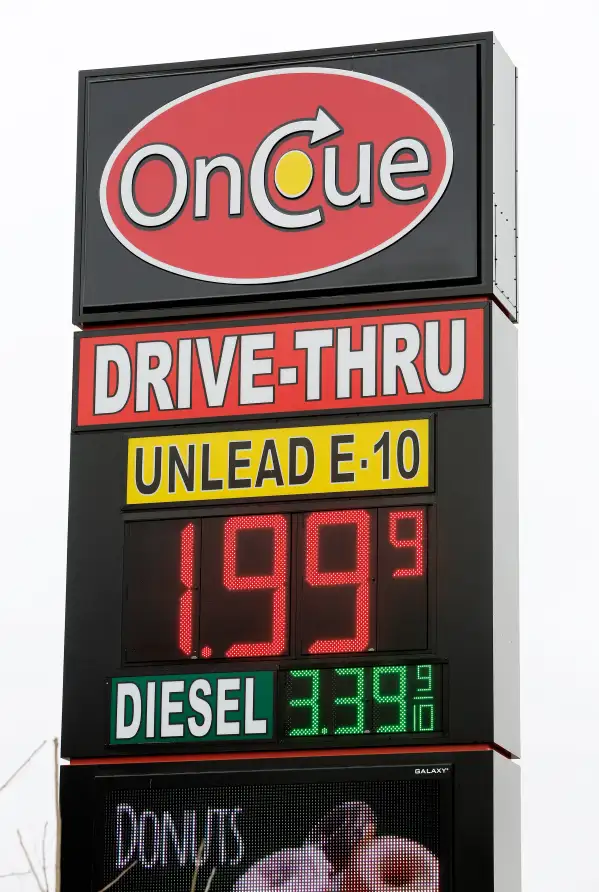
42,45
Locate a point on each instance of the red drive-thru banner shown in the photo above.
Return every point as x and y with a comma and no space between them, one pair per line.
397,357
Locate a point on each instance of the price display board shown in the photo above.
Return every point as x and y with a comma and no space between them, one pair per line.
295,583
401,822
297,594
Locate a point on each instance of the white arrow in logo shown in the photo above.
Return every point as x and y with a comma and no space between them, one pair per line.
321,128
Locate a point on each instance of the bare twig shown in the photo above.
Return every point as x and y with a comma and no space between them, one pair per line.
57,818
30,862
17,873
210,878
23,764
194,878
45,872
121,874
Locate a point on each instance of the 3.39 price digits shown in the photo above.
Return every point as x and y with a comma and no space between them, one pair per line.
390,700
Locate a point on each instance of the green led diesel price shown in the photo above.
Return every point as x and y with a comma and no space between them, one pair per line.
356,700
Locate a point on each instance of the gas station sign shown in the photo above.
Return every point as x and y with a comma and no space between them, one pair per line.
291,638
335,570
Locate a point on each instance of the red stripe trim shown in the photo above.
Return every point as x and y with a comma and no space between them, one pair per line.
292,754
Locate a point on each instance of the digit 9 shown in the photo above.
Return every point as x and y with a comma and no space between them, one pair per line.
277,580
359,576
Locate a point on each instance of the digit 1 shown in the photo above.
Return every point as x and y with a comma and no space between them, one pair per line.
383,444
277,580
357,701
399,698
360,577
313,702
417,543
186,604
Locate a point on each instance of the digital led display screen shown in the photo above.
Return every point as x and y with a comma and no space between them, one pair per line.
276,585
362,700
353,835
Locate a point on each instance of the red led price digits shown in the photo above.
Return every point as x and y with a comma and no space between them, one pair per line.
277,580
322,550
417,543
186,604
360,576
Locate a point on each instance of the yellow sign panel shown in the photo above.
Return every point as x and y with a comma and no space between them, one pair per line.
291,461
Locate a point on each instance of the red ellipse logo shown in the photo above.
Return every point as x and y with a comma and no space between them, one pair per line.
276,175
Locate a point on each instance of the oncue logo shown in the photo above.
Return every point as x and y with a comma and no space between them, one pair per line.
276,175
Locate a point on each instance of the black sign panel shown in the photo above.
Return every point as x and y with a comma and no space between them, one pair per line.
243,183
405,822
371,606
148,609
